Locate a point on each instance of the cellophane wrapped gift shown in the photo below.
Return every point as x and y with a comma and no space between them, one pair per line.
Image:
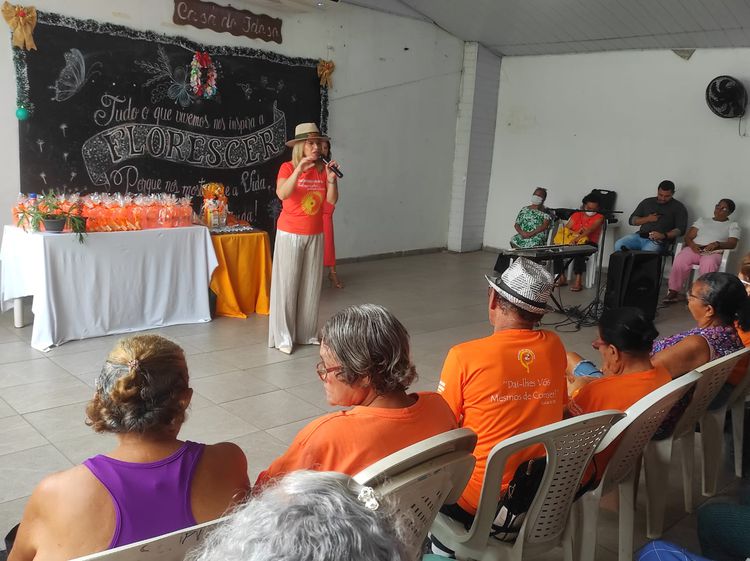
105,212
214,210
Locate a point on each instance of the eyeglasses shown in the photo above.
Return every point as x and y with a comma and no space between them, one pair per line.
691,295
722,208
323,372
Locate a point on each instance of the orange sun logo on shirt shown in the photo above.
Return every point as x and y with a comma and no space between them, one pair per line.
526,357
311,203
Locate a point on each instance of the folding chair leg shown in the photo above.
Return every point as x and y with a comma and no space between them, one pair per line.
627,517
712,440
738,433
687,446
587,521
657,457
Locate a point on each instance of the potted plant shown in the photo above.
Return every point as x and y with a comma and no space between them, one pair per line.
54,212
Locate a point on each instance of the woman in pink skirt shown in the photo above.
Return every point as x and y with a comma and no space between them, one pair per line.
705,242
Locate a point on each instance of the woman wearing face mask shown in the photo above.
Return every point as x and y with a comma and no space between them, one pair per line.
532,222
583,224
532,225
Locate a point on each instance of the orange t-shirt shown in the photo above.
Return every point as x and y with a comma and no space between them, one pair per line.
301,212
614,392
741,368
617,392
502,385
349,441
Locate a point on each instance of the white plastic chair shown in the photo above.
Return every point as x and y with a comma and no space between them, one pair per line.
630,436
420,479
569,445
658,454
168,547
712,435
590,276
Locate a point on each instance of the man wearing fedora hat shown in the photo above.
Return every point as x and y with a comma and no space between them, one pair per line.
510,382
303,185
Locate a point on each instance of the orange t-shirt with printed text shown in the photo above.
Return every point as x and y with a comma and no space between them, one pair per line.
510,382
740,369
349,441
614,392
302,211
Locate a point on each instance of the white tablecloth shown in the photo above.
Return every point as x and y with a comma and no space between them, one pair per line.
115,282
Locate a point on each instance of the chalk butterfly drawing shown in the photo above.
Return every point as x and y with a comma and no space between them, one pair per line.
73,75
173,83
247,89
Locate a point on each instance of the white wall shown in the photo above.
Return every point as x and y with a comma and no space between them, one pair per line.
392,112
624,120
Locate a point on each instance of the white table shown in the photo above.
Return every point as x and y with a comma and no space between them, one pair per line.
115,282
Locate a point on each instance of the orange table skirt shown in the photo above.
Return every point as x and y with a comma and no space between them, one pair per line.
242,281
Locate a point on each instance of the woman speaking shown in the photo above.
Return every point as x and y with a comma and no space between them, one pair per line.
303,185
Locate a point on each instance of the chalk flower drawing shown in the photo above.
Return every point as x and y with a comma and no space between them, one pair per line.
173,83
73,75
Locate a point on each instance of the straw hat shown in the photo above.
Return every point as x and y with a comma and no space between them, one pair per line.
303,131
526,284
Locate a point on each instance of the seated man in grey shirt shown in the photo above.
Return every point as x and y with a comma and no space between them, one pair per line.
662,219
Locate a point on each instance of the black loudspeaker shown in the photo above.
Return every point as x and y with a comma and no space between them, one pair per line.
633,280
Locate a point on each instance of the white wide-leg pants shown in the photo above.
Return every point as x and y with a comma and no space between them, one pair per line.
296,281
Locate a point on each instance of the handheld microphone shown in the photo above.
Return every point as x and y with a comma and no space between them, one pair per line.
334,169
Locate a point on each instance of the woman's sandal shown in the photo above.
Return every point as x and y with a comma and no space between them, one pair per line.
335,282
671,299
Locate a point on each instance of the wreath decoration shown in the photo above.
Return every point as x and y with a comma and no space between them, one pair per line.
201,66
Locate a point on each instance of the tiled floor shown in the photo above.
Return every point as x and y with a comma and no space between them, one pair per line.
259,397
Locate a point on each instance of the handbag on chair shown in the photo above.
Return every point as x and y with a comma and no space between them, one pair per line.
564,236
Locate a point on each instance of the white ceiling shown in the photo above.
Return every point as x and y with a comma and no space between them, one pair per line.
534,27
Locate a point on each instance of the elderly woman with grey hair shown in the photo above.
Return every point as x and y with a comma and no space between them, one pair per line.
716,301
307,516
364,364
151,483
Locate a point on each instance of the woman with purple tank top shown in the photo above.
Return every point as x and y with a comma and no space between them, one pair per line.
151,483
715,301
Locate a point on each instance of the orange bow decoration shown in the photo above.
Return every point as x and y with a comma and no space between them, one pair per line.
22,21
213,191
325,69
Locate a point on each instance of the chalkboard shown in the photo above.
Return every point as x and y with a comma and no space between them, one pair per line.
112,110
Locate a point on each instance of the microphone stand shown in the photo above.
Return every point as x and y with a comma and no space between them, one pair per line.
590,315
596,303
596,308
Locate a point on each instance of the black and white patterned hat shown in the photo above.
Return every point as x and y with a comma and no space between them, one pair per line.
526,284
